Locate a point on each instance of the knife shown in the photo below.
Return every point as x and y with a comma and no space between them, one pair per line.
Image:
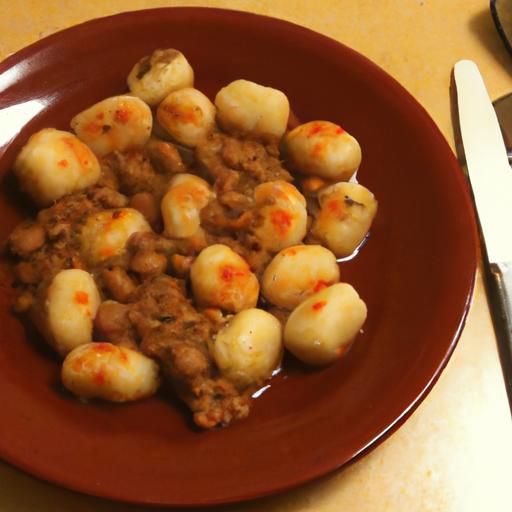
490,177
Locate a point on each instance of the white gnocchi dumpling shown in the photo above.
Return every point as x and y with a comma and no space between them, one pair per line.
323,149
105,233
281,215
65,310
157,75
247,108
187,115
222,279
249,348
297,272
182,204
321,328
346,214
109,372
54,163
114,124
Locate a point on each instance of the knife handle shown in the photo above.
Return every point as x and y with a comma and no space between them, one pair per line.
500,298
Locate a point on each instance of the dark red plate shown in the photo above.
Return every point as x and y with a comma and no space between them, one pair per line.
415,273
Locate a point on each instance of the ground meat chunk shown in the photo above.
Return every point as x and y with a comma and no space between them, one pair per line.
219,155
52,243
107,197
177,336
136,174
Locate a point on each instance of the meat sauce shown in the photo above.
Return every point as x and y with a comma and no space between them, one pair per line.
146,299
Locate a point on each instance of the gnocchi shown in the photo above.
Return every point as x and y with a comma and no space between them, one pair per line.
247,108
297,272
249,348
114,124
105,233
281,215
187,115
346,214
157,75
321,328
66,309
323,149
182,204
115,374
54,163
221,278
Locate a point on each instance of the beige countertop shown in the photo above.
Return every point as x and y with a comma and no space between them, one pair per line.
454,454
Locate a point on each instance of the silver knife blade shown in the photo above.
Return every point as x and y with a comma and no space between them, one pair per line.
486,160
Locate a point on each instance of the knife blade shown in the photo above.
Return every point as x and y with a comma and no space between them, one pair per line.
490,178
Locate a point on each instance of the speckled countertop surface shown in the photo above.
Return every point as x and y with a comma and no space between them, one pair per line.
454,454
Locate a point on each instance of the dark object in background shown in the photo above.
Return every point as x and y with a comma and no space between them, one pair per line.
501,11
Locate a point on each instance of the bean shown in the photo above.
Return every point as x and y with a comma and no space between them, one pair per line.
147,262
118,283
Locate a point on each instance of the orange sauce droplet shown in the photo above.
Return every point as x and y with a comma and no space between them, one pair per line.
228,272
315,129
282,221
62,163
81,297
317,306
99,377
93,128
191,114
122,115
106,251
317,149
104,347
320,285
82,153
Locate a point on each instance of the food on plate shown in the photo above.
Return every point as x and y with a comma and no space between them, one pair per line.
323,149
65,309
157,75
281,216
181,205
159,227
221,278
346,214
114,124
54,163
105,233
116,374
187,115
321,328
247,108
297,272
249,348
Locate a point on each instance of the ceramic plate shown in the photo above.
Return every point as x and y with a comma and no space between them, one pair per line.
415,272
